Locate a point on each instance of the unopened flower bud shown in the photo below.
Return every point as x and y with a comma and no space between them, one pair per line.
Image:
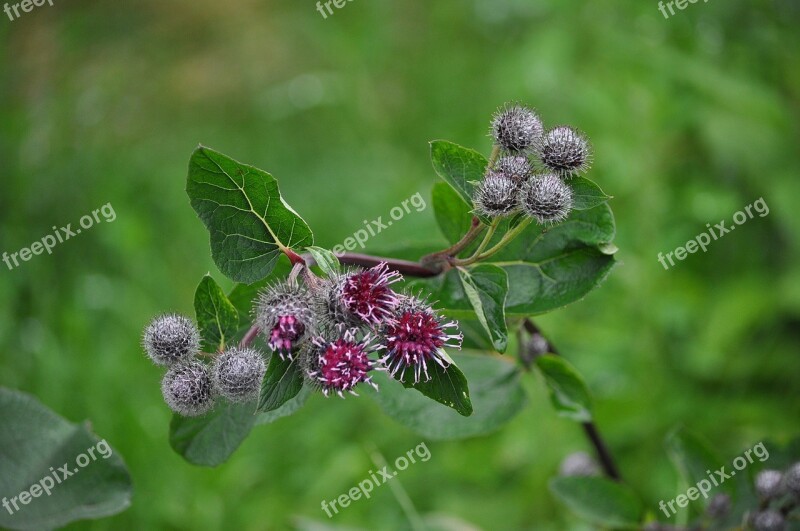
171,338
187,389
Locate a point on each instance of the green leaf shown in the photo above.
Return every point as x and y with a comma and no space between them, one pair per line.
474,335
486,287
211,439
568,391
446,386
453,215
599,500
217,318
326,260
692,456
586,194
33,439
289,407
495,393
283,381
548,269
242,208
459,167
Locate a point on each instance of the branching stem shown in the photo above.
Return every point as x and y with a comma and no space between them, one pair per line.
589,427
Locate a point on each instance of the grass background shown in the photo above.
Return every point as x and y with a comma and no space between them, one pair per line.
692,118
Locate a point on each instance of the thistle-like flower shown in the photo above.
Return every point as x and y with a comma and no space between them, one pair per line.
367,293
769,484
579,464
339,365
792,478
516,129
516,167
565,151
417,335
719,506
284,315
769,520
496,195
237,374
188,390
546,198
355,298
171,338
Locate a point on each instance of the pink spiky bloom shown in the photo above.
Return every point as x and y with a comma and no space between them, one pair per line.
344,363
285,334
367,293
416,336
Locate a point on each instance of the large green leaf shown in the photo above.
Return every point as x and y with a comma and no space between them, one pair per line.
486,287
35,445
217,318
586,194
283,381
211,439
242,208
547,268
446,386
550,268
600,501
495,393
459,167
568,391
452,214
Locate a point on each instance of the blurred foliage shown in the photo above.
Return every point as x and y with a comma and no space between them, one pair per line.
692,118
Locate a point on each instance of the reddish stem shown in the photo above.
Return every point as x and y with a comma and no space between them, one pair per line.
249,337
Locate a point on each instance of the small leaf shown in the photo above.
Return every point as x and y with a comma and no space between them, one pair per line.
486,287
33,439
217,318
290,407
283,381
242,208
452,214
600,501
693,456
568,391
211,439
326,260
586,194
460,167
496,396
446,386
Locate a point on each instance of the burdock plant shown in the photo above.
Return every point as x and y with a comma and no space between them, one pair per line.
524,235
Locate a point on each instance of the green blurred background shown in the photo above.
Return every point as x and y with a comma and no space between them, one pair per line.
692,118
